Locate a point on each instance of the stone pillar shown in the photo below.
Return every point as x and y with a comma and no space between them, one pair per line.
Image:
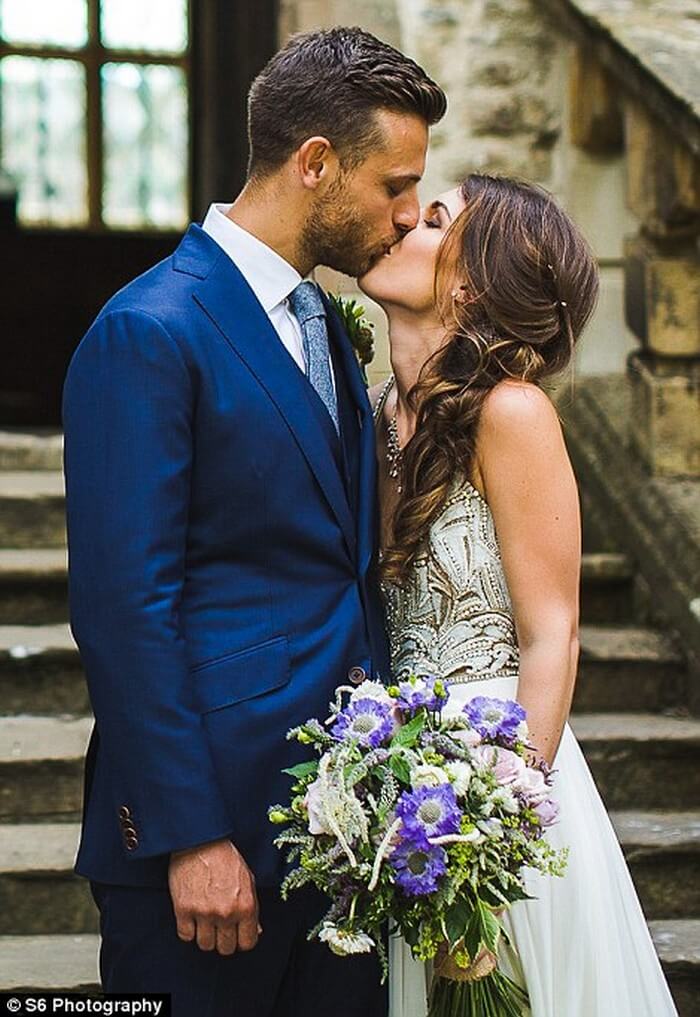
662,295
590,182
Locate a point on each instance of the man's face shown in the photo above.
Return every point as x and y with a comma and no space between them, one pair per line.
368,209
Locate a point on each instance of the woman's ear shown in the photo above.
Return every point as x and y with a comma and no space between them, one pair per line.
459,295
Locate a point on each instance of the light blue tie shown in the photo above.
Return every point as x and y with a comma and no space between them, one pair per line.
309,311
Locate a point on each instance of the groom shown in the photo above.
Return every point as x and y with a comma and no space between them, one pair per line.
220,480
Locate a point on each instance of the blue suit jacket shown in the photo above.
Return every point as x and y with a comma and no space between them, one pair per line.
222,562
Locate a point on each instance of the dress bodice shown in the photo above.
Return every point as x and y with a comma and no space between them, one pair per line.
452,616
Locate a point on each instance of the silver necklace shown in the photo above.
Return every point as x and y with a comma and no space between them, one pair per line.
394,452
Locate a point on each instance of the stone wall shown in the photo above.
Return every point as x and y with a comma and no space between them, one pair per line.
505,69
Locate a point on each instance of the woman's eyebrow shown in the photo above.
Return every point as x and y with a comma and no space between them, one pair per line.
441,204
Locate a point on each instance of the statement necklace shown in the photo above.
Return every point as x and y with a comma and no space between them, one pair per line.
394,452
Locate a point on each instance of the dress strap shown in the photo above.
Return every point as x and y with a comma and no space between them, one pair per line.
383,396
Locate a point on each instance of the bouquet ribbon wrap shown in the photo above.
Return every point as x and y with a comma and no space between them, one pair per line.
445,965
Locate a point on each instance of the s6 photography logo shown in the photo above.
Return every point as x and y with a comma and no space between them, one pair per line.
156,1004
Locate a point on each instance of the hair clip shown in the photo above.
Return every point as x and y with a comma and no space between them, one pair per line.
562,303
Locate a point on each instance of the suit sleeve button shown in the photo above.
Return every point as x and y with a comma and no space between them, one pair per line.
124,812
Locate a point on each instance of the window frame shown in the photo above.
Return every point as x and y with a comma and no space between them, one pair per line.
93,56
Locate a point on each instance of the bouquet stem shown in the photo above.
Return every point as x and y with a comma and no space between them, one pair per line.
493,996
480,990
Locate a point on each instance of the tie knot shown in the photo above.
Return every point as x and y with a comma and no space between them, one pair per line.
306,302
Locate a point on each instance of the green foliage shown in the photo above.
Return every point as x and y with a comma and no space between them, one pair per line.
400,768
360,331
457,920
408,735
303,769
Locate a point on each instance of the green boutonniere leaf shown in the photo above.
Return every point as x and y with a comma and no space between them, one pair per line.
360,331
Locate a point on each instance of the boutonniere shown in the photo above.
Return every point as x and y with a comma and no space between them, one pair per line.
358,328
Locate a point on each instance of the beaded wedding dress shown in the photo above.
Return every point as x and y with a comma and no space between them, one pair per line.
583,946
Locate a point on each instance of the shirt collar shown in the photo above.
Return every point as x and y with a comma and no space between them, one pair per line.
270,277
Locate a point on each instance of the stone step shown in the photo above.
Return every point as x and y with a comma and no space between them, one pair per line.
33,586
628,668
39,892
678,946
607,588
32,509
70,963
663,852
50,963
40,671
41,767
642,760
38,448
620,669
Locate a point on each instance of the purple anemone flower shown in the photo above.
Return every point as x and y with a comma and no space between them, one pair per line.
416,691
495,719
428,812
418,868
368,721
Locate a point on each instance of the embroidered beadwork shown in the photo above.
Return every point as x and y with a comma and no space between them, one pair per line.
453,615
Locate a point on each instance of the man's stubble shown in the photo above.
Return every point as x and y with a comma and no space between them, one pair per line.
336,234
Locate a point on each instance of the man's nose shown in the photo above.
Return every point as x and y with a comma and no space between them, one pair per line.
406,216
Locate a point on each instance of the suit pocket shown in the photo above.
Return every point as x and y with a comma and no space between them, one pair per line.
242,675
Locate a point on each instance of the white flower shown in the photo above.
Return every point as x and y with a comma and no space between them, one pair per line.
522,731
493,828
342,942
372,690
505,799
318,821
428,776
461,774
533,785
507,767
467,736
478,787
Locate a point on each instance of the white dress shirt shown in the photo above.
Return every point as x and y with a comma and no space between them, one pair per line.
269,276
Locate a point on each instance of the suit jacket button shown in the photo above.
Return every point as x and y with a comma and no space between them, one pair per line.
357,675
124,812
131,842
129,829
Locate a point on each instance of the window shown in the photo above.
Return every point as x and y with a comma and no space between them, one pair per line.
94,124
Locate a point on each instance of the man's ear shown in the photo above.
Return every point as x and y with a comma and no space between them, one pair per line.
316,162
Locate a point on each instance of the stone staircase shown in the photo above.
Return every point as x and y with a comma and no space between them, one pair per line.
630,718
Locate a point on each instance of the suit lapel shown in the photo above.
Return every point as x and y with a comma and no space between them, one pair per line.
233,307
366,507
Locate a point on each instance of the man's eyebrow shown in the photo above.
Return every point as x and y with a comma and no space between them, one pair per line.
409,178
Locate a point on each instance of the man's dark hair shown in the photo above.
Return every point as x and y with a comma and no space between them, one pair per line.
330,83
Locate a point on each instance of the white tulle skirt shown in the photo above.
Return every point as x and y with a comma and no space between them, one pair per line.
583,946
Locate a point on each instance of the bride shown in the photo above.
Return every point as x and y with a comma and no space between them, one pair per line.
481,554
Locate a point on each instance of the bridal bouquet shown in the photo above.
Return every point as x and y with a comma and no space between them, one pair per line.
424,820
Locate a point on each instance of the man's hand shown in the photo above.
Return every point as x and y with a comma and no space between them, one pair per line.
214,898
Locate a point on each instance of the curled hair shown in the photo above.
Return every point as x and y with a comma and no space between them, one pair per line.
526,284
330,82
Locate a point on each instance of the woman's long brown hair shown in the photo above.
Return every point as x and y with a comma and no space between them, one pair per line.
527,284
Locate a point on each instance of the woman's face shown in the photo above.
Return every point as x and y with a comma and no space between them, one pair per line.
405,277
